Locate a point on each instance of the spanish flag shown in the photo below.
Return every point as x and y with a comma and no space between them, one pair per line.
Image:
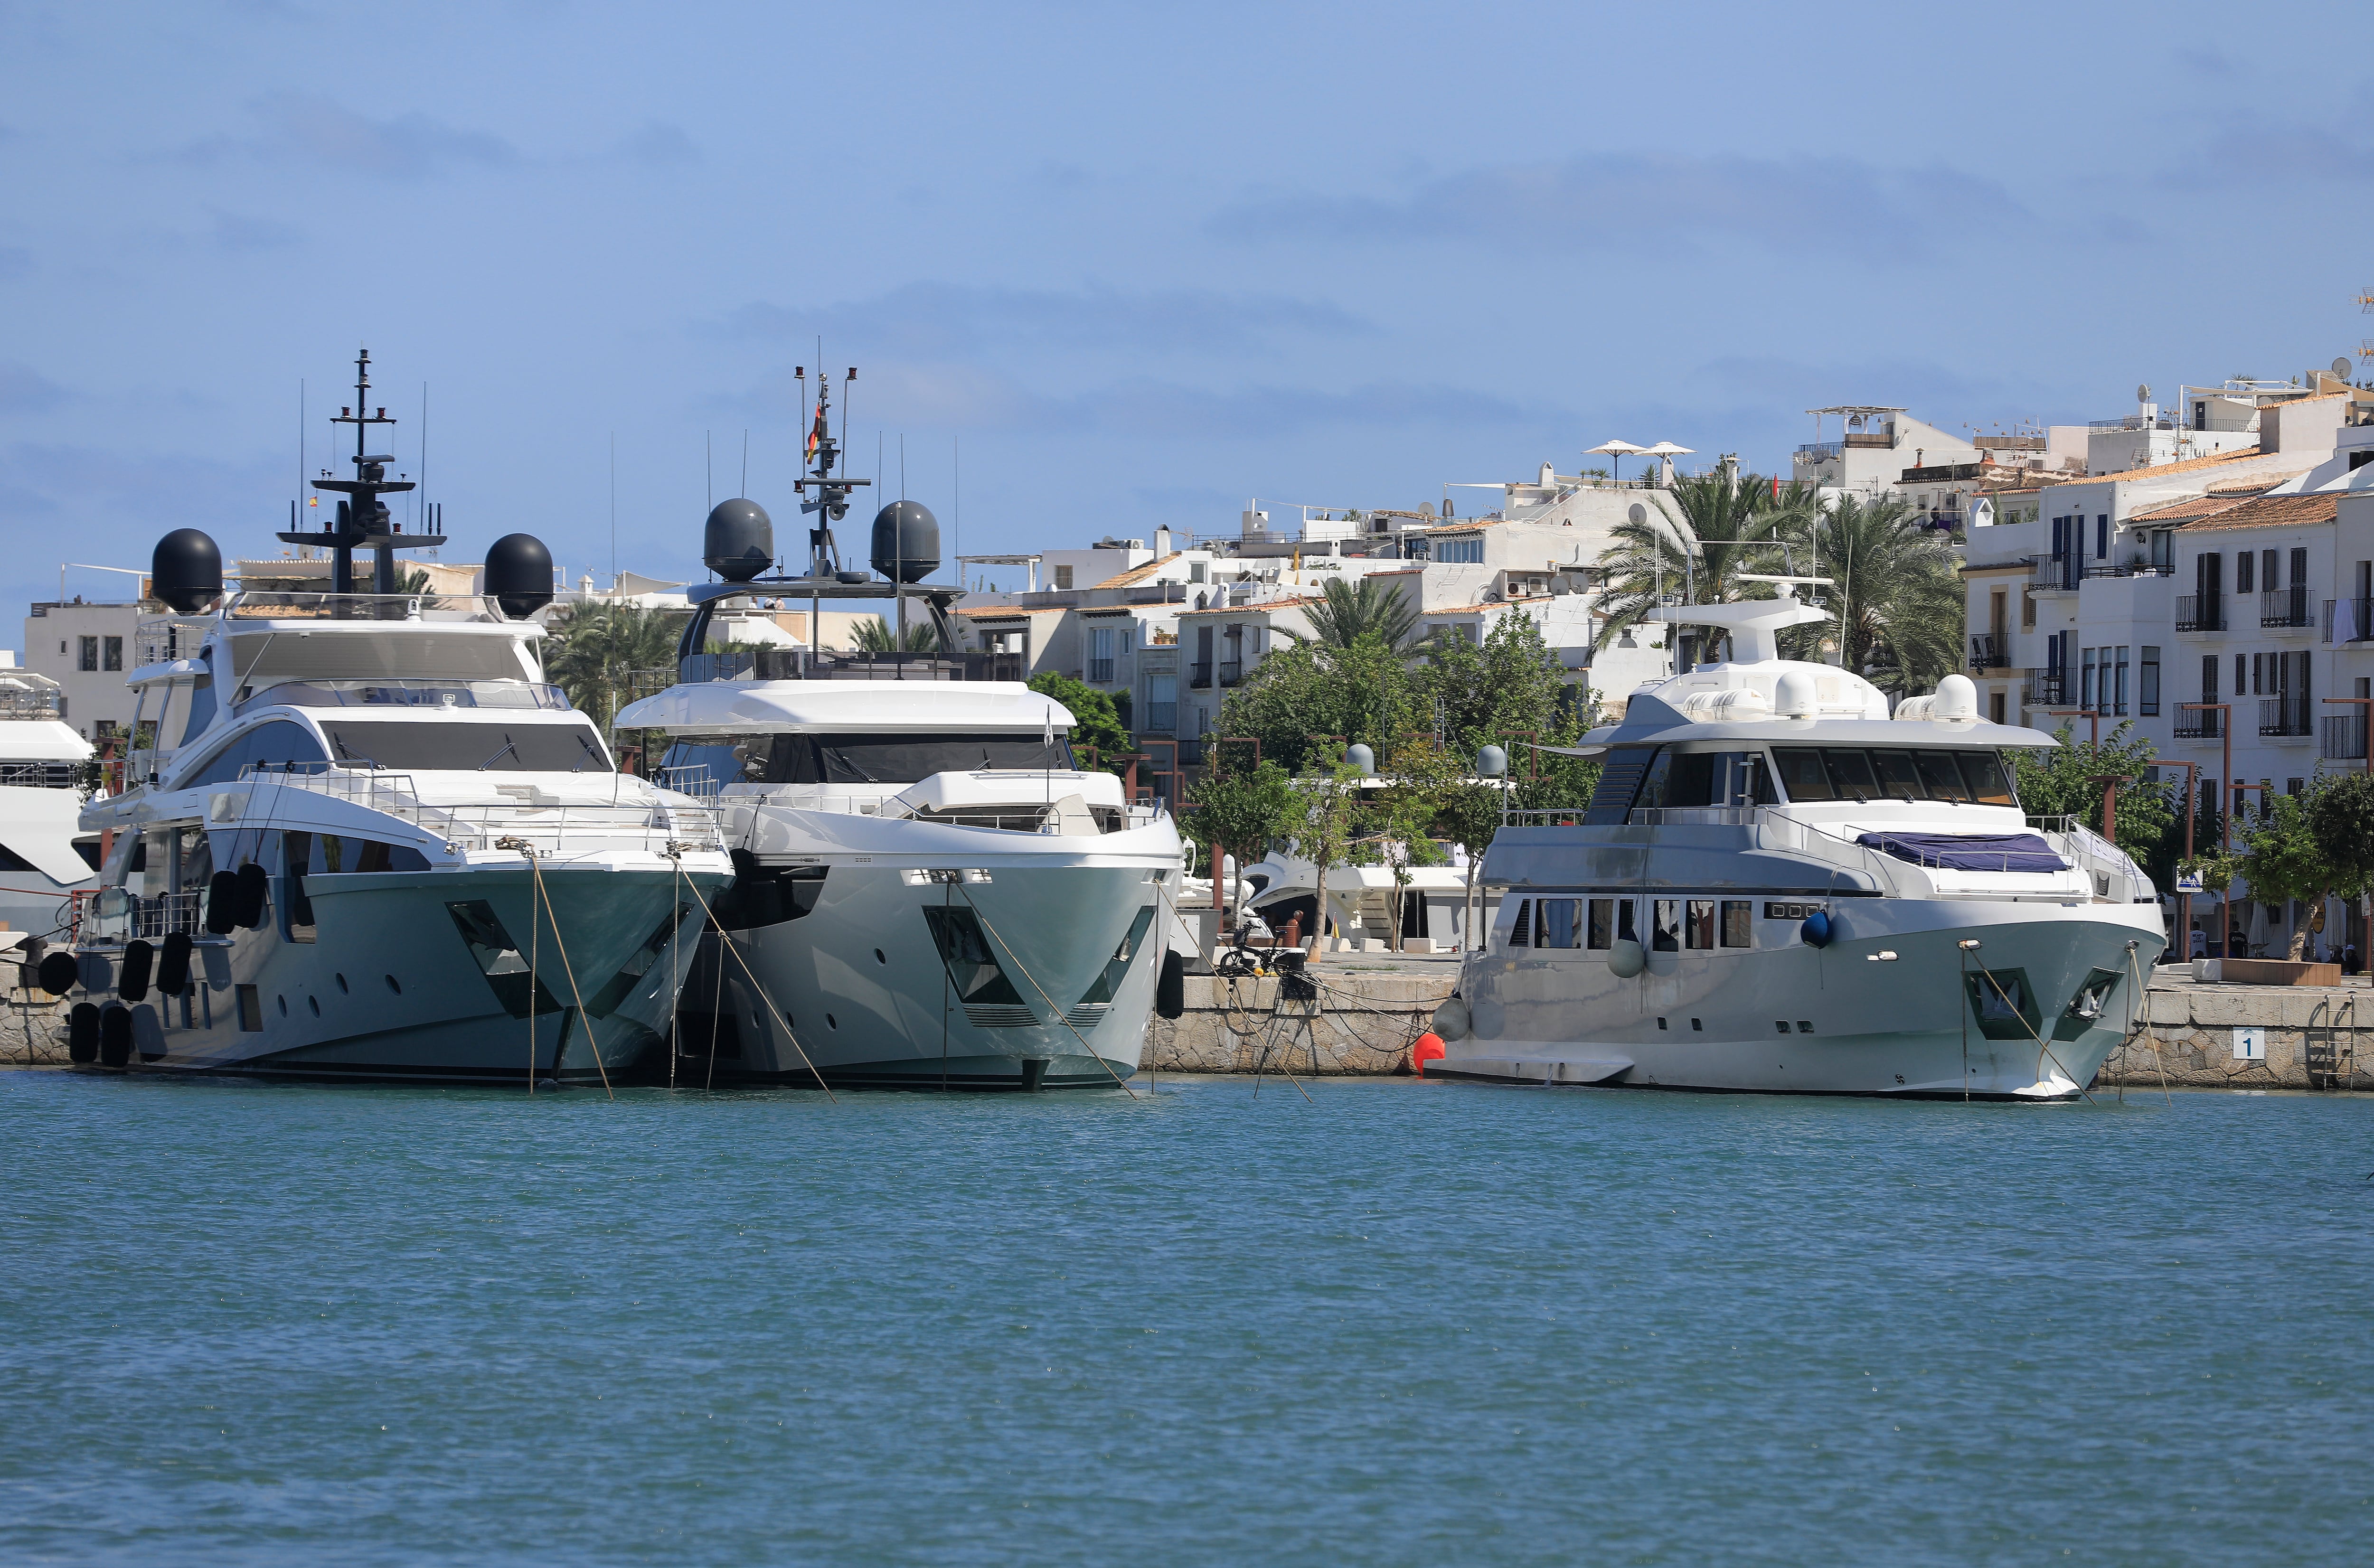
817,432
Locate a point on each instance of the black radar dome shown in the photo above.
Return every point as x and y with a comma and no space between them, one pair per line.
186,571
906,542
739,541
519,574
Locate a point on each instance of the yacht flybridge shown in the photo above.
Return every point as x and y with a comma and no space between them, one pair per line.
362,837
930,891
1778,886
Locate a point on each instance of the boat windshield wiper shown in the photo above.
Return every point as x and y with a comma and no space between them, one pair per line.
584,746
509,746
842,758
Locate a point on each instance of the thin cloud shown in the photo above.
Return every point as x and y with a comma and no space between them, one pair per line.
1629,200
304,127
23,390
241,232
944,319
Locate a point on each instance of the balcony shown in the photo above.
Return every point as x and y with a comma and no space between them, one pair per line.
2133,569
2283,716
1199,675
2046,688
2056,574
2349,620
1232,671
2345,737
2286,607
2199,723
2200,611
1990,650
2134,422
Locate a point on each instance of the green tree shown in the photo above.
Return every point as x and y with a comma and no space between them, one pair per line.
1348,613
1716,530
2064,781
1896,594
1240,810
874,635
1305,693
601,647
1321,822
1094,722
2341,816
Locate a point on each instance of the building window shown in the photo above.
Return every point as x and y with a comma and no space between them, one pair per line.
2086,681
2148,688
1162,703
1465,547
2102,538
88,653
1101,655
1063,576
1996,707
2119,695
2245,573
113,655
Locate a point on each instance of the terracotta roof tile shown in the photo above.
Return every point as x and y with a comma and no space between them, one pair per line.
2191,508
2275,512
2187,466
1136,575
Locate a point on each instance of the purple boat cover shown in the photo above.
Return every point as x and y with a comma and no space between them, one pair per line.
1968,851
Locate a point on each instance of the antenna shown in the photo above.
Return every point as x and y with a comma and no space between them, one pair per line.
709,463
614,511
746,465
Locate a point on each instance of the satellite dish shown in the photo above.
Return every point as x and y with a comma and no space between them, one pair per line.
2143,394
2341,368
1637,513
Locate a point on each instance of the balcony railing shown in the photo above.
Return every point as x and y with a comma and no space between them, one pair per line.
2199,724
1101,671
2345,737
1990,650
1199,674
2046,688
1232,670
2057,574
2134,422
2284,607
2132,569
2200,611
2283,716
2349,620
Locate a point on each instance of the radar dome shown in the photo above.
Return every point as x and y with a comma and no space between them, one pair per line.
185,570
738,542
519,575
906,542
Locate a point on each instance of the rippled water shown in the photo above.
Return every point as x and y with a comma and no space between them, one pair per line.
1406,1323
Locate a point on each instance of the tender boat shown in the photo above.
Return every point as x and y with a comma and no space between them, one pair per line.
363,838
930,892
1779,887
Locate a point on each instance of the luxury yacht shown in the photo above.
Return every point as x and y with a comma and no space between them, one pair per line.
365,838
1778,886
930,892
43,859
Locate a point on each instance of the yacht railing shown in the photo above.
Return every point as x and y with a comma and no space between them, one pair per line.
550,827
411,694
2108,867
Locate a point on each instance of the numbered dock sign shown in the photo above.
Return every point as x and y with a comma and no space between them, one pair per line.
2250,1044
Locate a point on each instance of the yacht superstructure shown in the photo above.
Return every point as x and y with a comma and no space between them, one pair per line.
42,766
930,892
1778,886
362,837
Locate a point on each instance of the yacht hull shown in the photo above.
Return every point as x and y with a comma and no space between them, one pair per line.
2029,1014
858,990
420,977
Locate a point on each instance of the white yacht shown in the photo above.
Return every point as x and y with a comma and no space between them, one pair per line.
930,892
1779,887
364,839
43,859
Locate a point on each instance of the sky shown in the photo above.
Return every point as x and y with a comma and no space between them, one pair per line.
1103,269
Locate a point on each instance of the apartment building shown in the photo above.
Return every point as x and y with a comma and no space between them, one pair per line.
86,647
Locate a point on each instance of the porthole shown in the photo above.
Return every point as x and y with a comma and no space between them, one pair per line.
284,1005
315,1003
878,958
393,987
342,986
831,1021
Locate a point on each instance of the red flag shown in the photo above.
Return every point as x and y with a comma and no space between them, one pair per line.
817,432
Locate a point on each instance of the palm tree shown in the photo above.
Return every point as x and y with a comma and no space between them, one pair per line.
1728,526
1894,590
601,647
1352,611
874,636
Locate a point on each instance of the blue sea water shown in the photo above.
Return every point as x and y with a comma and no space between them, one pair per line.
1401,1323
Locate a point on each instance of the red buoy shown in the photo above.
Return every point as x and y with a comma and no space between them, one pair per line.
1428,1048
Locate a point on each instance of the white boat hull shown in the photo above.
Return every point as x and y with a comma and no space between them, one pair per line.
1787,1017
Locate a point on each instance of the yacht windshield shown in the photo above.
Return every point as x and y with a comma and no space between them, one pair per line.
1859,774
468,748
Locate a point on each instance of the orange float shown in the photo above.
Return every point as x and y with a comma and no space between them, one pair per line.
1425,1049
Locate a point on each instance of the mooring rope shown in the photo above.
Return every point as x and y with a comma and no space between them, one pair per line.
1035,986
2032,1034
725,940
569,969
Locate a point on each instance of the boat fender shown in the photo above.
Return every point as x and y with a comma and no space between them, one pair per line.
59,972
1627,958
254,883
1171,985
1424,1050
131,980
1450,1022
82,1032
1816,931
114,1037
222,903
173,966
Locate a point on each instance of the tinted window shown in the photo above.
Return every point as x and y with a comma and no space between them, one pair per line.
1667,938
1942,779
1602,922
1559,923
511,747
1617,782
1850,774
903,759
280,745
1802,774
1984,773
1898,775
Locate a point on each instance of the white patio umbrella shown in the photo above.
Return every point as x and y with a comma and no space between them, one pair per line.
1617,449
1665,451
